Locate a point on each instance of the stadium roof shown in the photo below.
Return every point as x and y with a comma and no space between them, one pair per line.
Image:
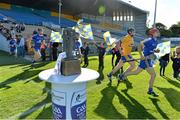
132,6
38,4
76,6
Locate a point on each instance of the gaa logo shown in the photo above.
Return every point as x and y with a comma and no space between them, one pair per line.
80,97
81,109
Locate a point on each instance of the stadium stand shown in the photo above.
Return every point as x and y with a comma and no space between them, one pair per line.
5,6
64,22
1,17
86,20
34,19
110,25
99,31
23,17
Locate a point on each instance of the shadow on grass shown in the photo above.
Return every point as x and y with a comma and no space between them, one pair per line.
175,83
127,83
6,59
106,108
133,106
155,102
19,63
46,113
172,96
22,76
27,74
101,77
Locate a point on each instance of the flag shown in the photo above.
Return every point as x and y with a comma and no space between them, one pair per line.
85,31
79,21
109,40
165,48
57,68
56,37
107,37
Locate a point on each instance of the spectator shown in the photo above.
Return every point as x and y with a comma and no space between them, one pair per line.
12,46
54,50
18,30
22,46
77,47
18,46
176,62
43,50
85,52
22,27
163,62
13,32
101,51
49,48
1,26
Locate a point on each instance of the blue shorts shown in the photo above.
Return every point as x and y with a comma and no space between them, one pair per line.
124,58
12,49
143,65
37,49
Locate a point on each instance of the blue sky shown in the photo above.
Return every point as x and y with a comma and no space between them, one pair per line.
168,11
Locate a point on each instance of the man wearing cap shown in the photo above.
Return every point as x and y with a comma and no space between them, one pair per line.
146,49
126,47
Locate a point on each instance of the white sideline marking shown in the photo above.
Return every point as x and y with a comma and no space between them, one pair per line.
34,108
28,111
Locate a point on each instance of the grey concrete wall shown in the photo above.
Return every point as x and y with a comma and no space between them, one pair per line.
4,44
140,23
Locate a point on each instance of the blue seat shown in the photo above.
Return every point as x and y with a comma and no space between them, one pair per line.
28,17
86,20
23,17
1,17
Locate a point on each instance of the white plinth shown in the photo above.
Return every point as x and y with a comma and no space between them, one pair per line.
69,93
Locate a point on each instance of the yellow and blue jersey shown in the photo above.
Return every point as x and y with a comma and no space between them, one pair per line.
126,45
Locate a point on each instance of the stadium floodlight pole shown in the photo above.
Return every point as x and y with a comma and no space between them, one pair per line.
154,25
60,13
